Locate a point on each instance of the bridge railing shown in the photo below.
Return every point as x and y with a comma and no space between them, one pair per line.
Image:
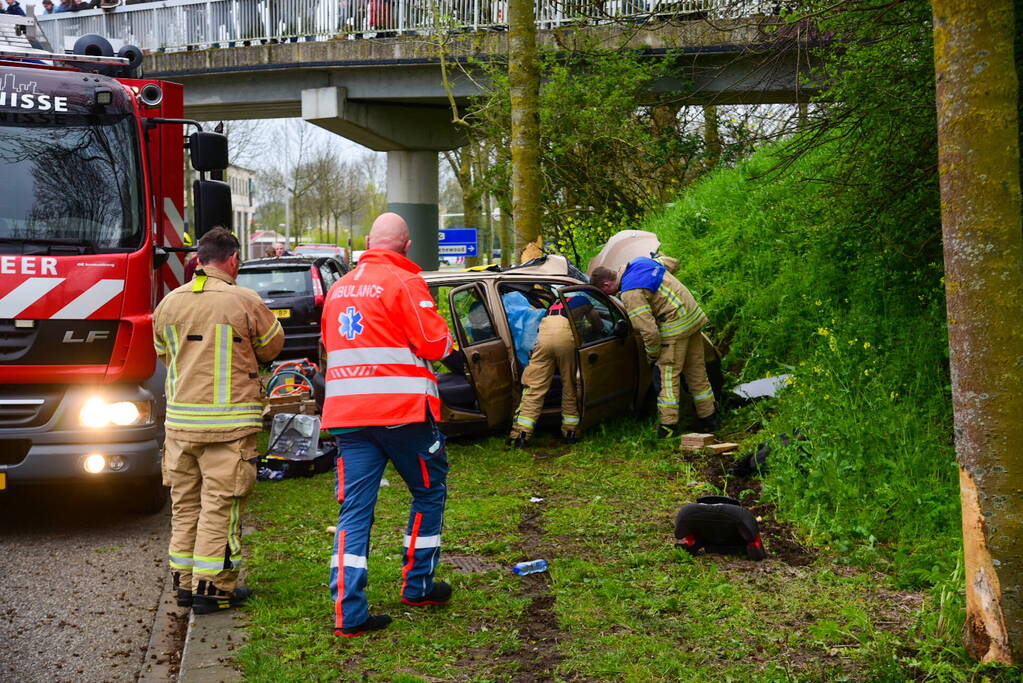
172,25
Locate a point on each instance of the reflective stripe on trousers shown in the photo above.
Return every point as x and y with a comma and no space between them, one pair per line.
417,452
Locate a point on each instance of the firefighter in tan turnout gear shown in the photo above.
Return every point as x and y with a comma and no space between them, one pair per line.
668,318
212,335
554,352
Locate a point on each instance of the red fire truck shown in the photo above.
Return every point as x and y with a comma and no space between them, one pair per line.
91,236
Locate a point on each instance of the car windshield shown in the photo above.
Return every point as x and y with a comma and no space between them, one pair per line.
277,282
70,181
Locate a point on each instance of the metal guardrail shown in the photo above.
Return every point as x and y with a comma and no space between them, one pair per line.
172,25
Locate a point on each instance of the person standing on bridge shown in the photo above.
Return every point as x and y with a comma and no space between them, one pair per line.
668,318
381,330
212,335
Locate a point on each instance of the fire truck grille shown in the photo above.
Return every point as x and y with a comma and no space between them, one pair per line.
29,406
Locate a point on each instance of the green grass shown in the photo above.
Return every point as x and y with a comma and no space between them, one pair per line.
620,602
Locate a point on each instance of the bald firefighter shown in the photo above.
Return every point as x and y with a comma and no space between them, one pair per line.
212,335
668,319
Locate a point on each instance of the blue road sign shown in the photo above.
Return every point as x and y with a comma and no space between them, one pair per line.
458,242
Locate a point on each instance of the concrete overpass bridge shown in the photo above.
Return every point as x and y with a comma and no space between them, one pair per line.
370,70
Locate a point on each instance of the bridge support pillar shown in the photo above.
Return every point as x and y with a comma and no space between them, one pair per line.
412,193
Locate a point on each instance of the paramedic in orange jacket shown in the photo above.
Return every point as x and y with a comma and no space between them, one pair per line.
381,330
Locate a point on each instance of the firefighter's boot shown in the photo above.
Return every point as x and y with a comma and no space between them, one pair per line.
709,424
184,594
519,440
208,598
666,431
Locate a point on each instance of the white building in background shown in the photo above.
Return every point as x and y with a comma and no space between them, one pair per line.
243,203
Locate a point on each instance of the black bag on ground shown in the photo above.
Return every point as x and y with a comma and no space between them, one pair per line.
720,525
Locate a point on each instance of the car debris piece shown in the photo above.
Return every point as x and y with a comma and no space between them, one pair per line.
765,387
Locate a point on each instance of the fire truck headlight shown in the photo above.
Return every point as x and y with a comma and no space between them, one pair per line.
94,463
98,413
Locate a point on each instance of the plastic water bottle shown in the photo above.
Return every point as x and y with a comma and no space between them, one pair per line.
523,568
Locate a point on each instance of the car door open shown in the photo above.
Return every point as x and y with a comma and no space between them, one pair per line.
487,357
606,354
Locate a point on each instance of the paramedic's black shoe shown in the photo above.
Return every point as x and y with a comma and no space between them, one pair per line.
570,437
709,424
184,594
440,595
665,431
377,623
208,599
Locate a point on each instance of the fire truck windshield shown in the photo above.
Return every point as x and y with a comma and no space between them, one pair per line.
72,184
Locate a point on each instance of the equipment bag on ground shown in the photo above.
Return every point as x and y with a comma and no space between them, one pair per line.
720,525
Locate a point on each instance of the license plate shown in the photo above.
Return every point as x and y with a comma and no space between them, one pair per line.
281,312
3,480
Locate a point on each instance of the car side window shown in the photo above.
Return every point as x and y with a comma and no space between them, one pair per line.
472,315
330,276
592,315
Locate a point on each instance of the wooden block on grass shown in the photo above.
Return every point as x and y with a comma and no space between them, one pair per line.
695,441
717,448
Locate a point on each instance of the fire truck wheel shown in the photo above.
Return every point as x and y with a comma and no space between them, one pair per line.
146,496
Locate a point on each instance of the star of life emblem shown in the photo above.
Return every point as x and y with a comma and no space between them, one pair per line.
351,323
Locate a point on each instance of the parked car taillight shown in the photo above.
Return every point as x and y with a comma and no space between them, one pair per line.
317,286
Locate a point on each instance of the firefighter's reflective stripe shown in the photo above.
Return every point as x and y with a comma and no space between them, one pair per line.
673,328
373,355
274,330
241,420
234,529
197,416
181,560
423,541
212,408
158,345
569,419
525,421
356,386
356,561
704,395
667,397
199,283
685,322
222,350
639,310
170,333
213,565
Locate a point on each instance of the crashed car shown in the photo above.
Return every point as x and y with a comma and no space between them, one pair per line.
492,313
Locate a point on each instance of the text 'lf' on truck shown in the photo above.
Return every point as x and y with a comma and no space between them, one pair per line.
91,237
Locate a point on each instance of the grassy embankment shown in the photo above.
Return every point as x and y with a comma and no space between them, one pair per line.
619,602
867,514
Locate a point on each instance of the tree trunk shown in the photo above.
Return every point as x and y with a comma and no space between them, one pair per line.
711,137
524,86
508,245
978,147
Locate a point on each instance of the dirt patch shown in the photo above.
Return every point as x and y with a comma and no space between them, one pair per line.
779,537
539,633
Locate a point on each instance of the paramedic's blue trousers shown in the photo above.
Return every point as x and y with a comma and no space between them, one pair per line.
417,451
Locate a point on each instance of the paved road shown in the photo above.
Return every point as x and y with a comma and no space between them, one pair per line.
80,582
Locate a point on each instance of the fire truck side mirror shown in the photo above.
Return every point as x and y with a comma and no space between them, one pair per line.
212,205
208,151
